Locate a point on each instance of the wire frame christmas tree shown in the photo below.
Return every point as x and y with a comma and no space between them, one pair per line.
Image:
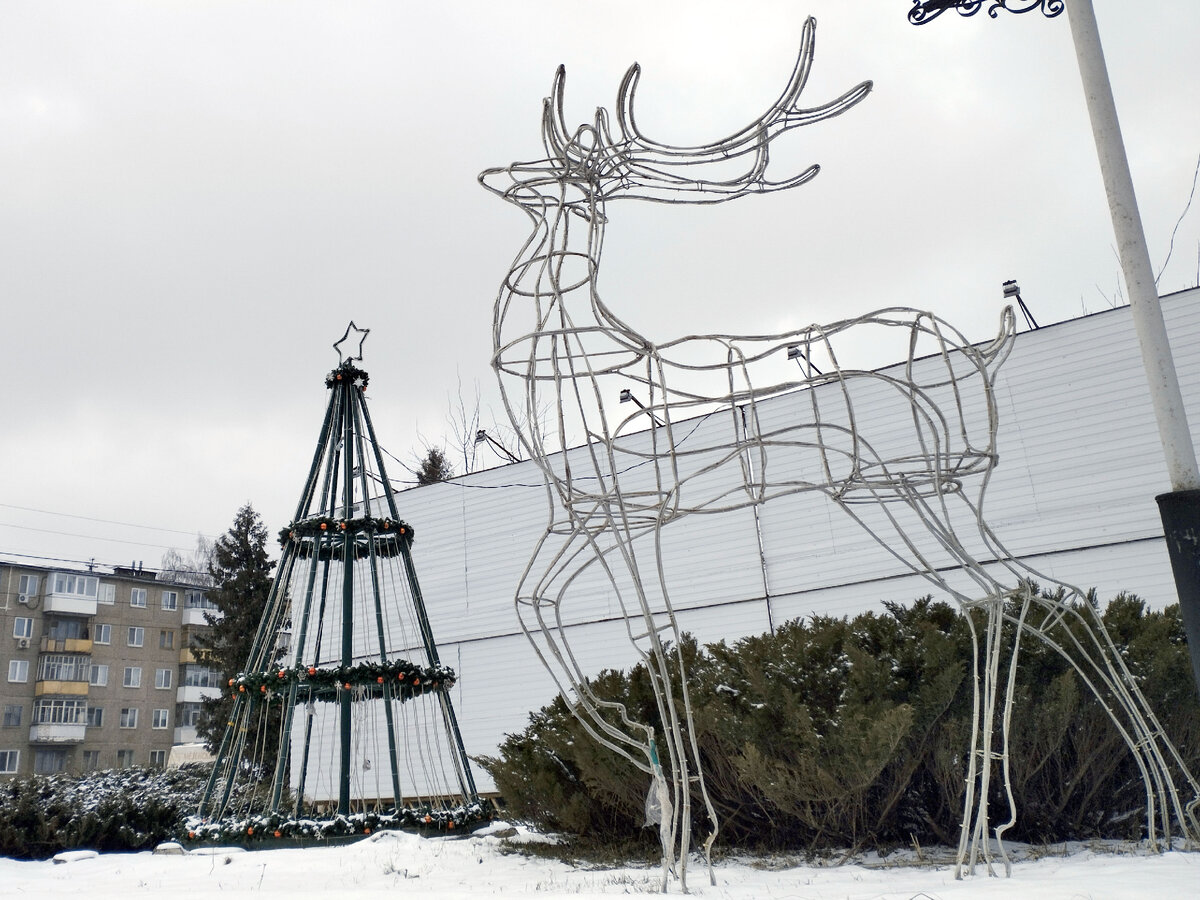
342,719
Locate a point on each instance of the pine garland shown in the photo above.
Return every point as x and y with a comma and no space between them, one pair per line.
347,372
328,525
277,827
404,680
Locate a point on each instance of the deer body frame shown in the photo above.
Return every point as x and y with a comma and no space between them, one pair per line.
559,349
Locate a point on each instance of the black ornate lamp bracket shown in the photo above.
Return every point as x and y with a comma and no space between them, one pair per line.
927,10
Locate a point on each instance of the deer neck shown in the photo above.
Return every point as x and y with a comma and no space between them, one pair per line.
551,288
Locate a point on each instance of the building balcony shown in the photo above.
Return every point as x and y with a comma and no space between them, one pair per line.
66,645
71,688
190,655
195,616
191,694
56,734
70,604
185,734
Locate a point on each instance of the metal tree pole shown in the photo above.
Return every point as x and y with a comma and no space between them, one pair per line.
1179,509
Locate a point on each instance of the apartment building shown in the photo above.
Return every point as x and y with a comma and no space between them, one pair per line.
98,668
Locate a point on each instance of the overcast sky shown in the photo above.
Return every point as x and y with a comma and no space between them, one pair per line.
196,197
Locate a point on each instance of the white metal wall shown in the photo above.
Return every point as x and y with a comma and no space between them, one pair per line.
1079,467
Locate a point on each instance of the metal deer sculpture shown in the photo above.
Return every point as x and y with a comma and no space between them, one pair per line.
563,357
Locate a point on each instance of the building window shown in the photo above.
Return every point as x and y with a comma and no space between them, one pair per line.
137,597
67,629
22,627
160,718
108,594
18,670
133,677
63,667
12,714
59,712
162,678
95,717
187,714
170,600
99,675
91,760
201,676
158,758
129,716
198,600
9,761
135,637
166,640
103,634
49,762
27,586
78,585
124,759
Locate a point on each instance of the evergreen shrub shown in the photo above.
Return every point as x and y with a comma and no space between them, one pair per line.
836,732
113,810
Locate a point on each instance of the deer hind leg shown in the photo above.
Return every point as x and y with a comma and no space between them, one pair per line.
1073,628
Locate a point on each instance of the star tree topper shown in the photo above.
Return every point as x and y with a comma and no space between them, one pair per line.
349,342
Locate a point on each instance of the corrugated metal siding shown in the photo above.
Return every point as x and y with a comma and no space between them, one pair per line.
1079,465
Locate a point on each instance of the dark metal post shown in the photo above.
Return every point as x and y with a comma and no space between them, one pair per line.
1180,511
347,588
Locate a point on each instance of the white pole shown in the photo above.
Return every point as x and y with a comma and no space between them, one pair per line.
1131,247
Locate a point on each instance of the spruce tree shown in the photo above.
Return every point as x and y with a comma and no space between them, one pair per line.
241,577
435,467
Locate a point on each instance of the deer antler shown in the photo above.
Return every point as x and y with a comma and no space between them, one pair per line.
645,168
783,115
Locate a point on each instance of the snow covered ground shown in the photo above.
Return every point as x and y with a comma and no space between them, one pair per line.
394,863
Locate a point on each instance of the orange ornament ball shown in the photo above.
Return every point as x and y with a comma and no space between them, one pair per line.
278,834
312,670
379,680
346,685
249,831
324,526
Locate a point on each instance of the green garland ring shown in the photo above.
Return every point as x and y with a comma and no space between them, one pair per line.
399,679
